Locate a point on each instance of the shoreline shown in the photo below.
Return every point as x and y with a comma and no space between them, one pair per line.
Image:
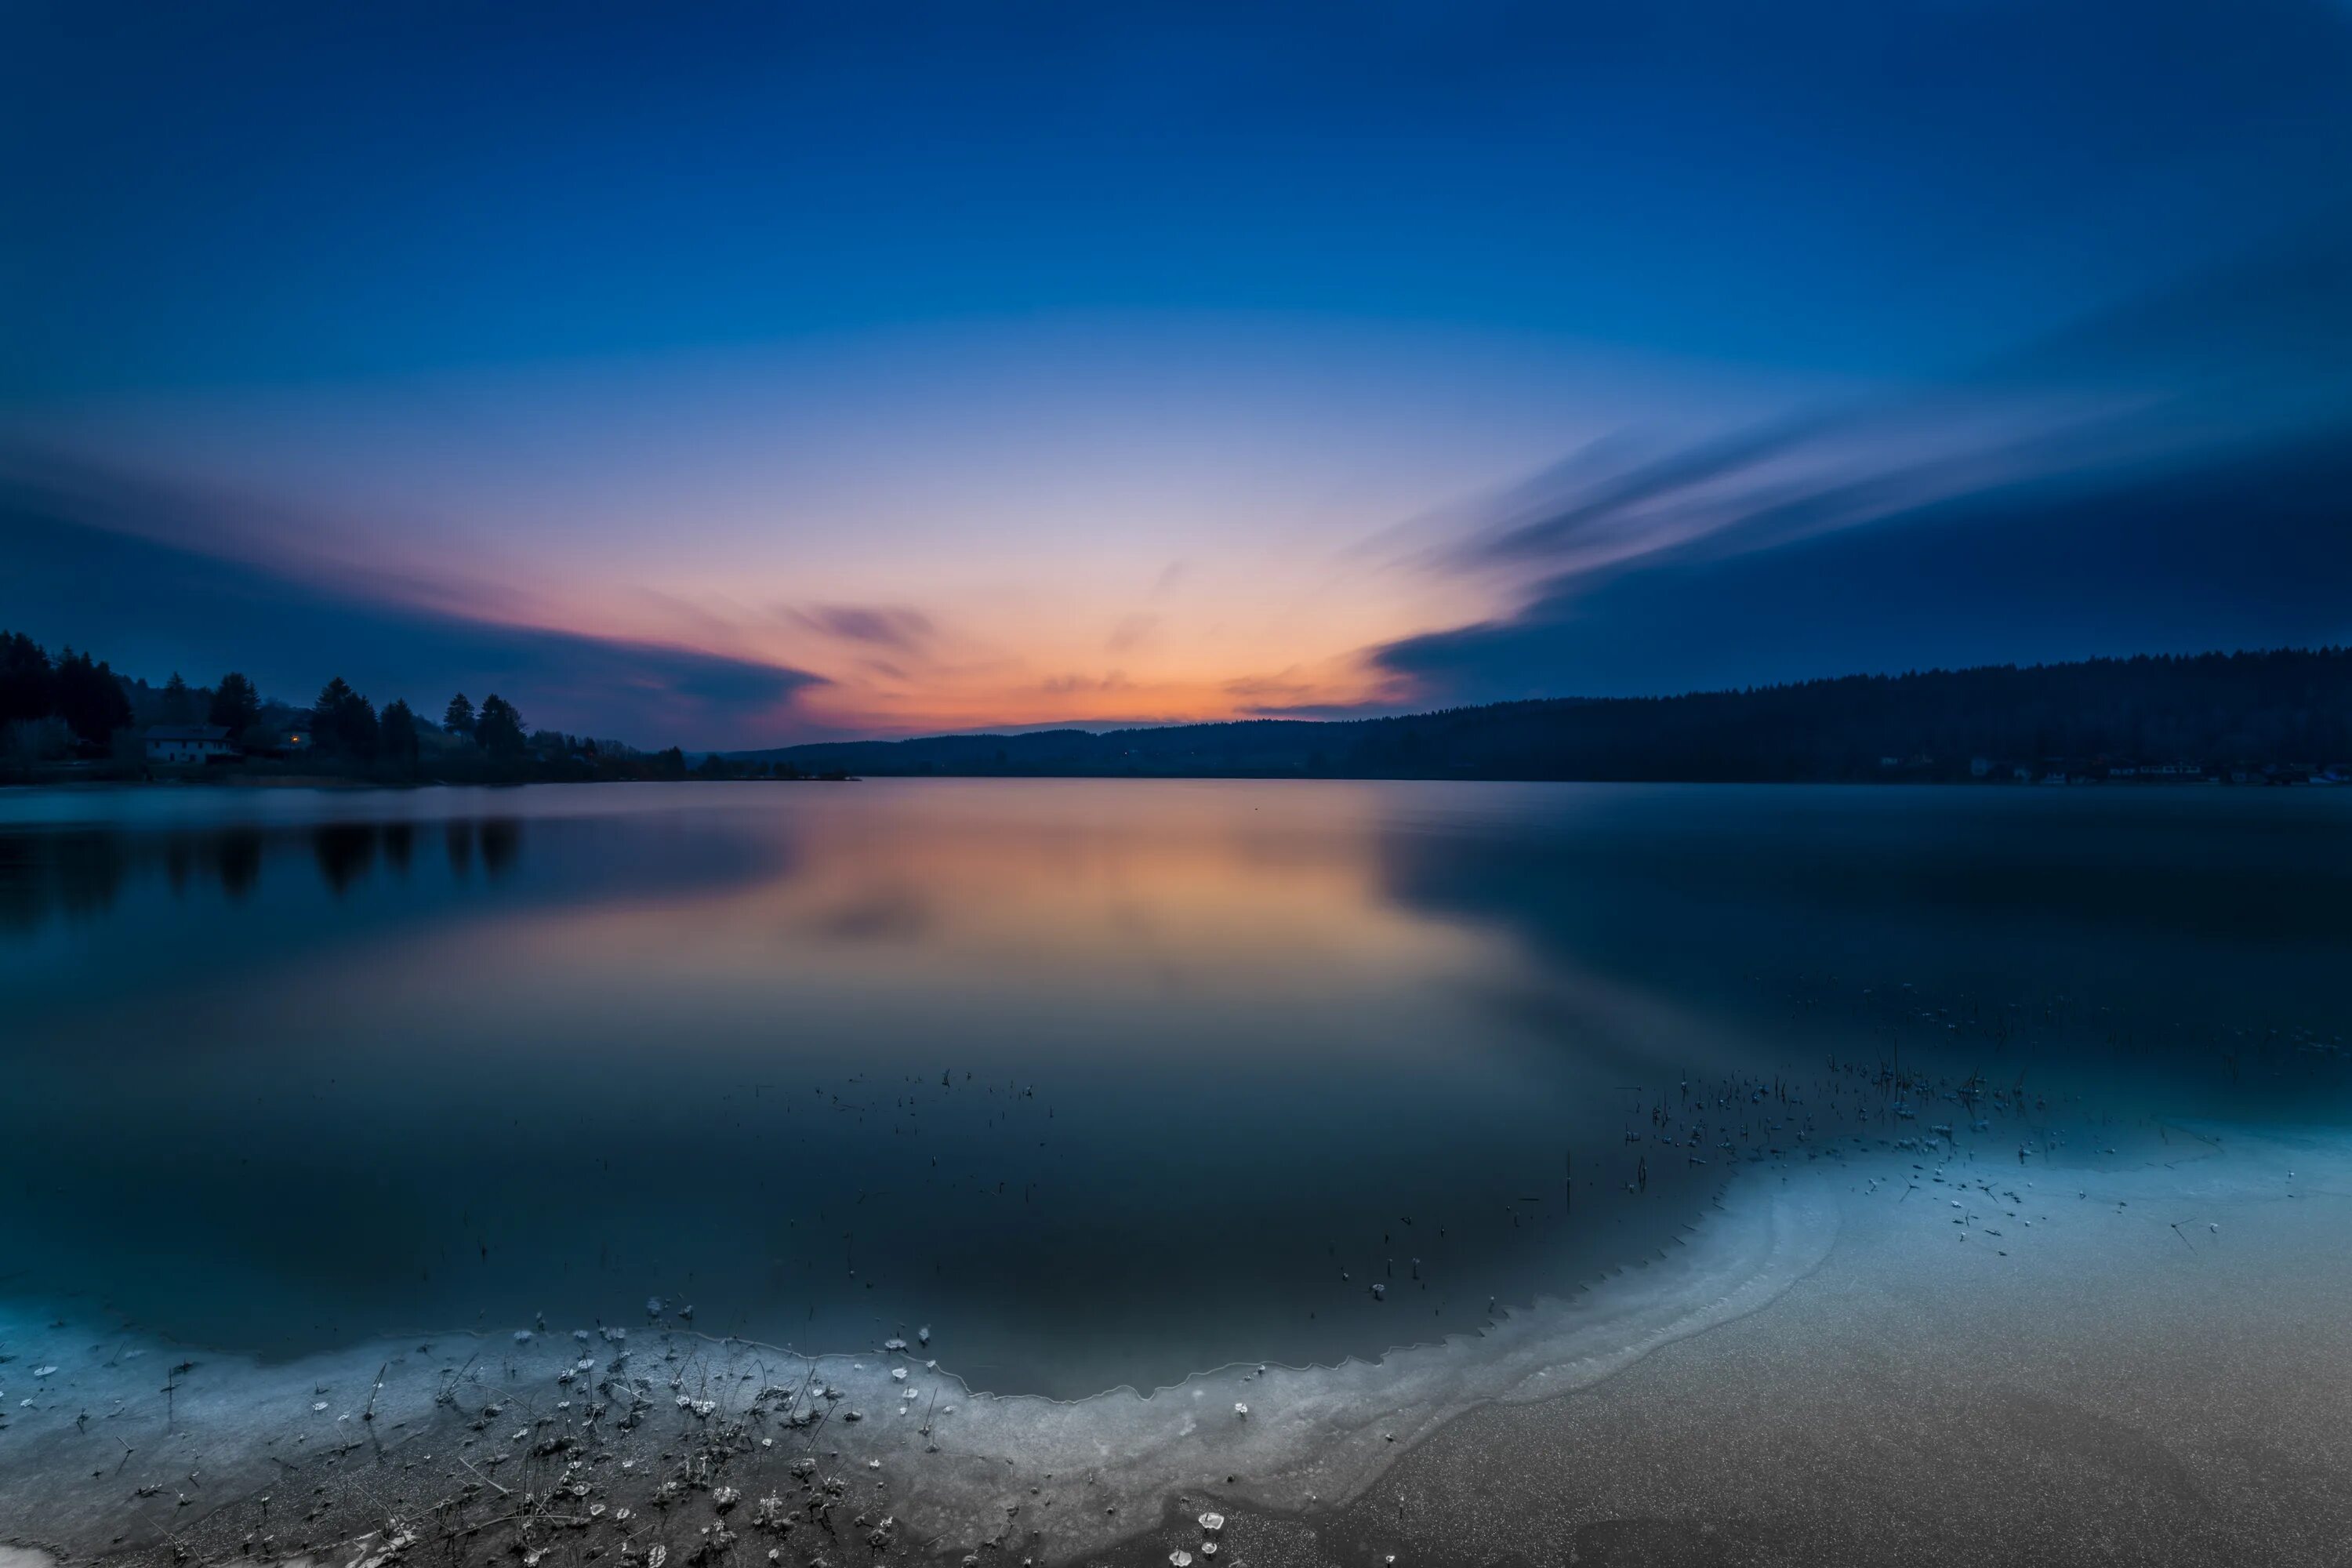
2161,1376
693,1438
934,1456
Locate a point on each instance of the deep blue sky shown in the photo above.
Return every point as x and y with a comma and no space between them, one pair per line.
1166,362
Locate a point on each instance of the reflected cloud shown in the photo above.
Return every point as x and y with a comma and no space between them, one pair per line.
888,915
1684,900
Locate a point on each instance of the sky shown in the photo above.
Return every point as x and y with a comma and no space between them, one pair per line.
737,376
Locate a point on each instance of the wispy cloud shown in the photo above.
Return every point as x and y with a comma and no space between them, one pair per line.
1067,685
2168,458
1290,695
1596,506
1132,632
884,625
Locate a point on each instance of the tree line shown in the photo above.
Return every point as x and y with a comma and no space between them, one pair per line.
73,710
345,724
2285,713
72,693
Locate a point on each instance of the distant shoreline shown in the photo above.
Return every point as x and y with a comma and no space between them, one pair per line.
2277,717
342,783
227,779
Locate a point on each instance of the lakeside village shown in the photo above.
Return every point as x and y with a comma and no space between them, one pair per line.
72,720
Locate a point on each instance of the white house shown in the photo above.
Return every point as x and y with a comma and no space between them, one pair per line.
187,743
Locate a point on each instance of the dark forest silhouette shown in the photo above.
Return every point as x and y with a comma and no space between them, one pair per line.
70,715
2242,716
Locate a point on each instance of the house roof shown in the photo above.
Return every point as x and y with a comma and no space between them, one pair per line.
187,732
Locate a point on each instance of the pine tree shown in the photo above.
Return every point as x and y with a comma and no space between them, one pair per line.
396,733
499,727
236,705
28,684
90,700
343,721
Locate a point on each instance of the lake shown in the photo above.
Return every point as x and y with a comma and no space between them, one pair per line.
1100,1081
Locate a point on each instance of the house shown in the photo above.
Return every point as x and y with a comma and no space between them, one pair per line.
188,744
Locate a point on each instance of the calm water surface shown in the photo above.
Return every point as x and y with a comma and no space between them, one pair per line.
1105,1081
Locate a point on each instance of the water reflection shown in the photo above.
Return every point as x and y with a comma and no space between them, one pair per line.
1106,1080
69,875
2120,945
237,861
345,850
399,843
79,873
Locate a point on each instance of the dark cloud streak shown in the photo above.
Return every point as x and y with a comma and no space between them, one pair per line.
2250,553
77,573
2163,476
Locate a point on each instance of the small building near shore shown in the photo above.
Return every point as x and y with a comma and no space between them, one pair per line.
188,745
279,744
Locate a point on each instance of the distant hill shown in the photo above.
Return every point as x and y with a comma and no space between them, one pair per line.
2288,712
